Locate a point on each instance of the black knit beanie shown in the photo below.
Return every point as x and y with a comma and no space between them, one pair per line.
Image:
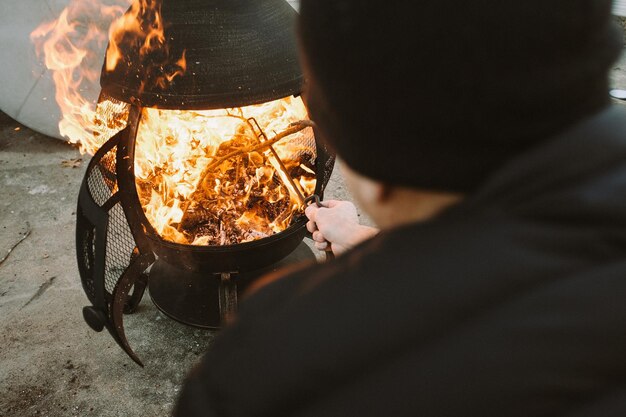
438,94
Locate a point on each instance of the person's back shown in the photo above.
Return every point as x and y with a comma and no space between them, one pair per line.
508,300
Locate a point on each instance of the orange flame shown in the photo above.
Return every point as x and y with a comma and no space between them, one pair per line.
142,30
181,67
70,48
143,21
174,147
242,199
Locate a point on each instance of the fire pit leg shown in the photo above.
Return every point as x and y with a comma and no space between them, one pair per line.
228,296
199,299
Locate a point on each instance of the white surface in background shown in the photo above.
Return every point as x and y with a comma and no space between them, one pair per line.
26,88
295,4
619,7
27,91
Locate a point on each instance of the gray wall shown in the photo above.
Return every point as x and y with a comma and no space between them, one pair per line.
619,7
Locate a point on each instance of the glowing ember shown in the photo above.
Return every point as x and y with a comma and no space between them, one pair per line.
241,198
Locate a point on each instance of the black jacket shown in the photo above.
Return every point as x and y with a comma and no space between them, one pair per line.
511,304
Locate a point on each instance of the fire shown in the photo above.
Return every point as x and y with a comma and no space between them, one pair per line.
138,39
191,196
142,23
67,46
203,177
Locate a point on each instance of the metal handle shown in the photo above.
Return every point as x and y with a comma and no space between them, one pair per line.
318,202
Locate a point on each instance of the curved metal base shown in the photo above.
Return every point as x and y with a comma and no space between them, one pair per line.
194,298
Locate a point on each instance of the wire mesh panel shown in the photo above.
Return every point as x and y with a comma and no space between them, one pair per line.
101,180
103,223
86,253
111,117
120,247
315,154
109,262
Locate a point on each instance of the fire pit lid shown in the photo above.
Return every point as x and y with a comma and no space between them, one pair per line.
237,52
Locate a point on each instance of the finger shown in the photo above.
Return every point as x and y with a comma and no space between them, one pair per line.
318,236
321,245
311,212
311,227
332,203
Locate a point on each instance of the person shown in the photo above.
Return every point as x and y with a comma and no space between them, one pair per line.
480,138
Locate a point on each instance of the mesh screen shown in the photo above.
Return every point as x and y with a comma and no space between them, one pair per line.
305,144
299,147
310,152
119,248
86,253
120,245
111,117
102,180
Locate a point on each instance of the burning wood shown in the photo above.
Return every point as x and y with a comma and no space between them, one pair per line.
214,178
240,197
259,146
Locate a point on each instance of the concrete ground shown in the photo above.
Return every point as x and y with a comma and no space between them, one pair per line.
51,363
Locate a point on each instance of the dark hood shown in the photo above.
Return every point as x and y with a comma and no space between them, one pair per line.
510,304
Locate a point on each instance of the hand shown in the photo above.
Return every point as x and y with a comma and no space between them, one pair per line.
336,227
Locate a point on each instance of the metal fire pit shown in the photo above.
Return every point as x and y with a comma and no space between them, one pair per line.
117,245
238,53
